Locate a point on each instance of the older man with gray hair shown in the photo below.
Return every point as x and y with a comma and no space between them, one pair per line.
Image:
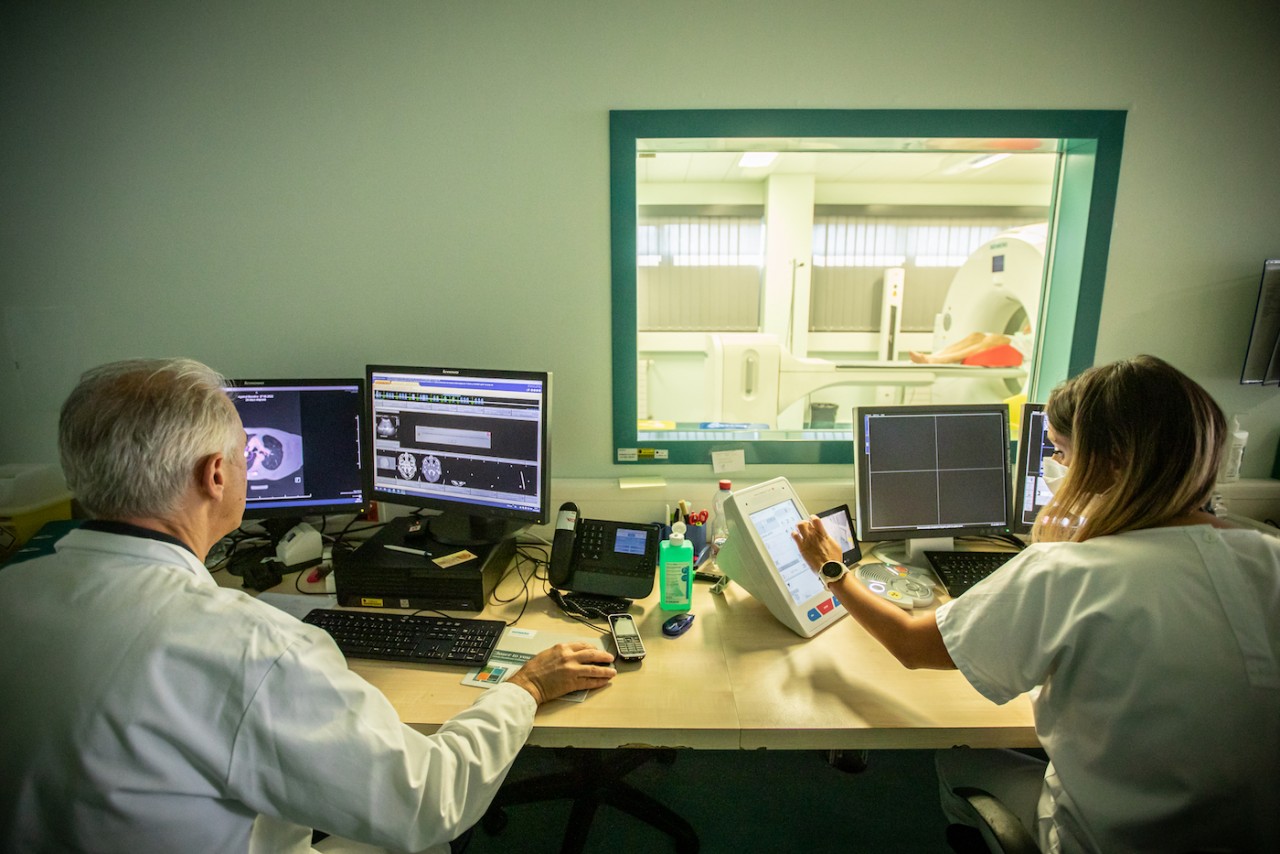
148,709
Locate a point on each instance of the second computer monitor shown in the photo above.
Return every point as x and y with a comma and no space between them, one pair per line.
1034,447
470,443
932,473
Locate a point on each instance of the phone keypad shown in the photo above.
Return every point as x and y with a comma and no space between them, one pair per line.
591,537
629,646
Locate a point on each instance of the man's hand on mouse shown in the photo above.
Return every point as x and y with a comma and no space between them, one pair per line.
564,668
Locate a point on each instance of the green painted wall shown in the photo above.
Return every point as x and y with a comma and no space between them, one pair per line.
305,187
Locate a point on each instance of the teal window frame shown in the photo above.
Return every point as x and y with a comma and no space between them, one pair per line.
1084,206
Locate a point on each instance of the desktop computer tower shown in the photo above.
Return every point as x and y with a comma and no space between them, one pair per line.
389,571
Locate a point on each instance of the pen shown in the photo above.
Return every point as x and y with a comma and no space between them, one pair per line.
406,550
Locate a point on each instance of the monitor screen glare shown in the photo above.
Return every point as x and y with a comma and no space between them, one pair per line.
933,471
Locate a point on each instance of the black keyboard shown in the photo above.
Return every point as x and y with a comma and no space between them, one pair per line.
590,605
400,637
958,571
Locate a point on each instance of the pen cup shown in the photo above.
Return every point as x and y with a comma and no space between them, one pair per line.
697,537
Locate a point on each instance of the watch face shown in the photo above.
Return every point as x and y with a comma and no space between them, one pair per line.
832,570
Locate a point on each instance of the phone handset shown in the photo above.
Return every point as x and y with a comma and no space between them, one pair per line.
562,544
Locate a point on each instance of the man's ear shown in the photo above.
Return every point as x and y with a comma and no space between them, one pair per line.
211,475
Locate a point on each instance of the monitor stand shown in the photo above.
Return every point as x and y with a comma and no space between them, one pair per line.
910,552
458,529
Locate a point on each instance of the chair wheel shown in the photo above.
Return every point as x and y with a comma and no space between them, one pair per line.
494,821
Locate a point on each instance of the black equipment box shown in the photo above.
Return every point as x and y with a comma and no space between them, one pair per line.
389,571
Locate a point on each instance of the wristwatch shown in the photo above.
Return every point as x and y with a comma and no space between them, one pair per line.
832,571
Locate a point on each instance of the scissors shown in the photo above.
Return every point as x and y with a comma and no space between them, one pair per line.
699,518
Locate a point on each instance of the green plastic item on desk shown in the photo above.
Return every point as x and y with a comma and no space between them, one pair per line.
675,571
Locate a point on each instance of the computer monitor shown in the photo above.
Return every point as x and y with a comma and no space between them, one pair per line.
303,450
1262,355
472,444
1029,490
928,474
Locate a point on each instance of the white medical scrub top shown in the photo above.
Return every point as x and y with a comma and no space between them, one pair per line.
1157,651
147,709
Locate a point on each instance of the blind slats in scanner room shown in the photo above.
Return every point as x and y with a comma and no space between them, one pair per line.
852,251
699,273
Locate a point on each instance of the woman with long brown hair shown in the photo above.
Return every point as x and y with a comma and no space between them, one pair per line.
1147,635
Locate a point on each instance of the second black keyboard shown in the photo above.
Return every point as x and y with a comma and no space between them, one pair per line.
401,637
958,571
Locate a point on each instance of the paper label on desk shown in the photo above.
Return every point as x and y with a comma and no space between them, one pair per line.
454,559
515,648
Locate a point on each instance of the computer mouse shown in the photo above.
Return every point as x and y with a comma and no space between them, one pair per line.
677,625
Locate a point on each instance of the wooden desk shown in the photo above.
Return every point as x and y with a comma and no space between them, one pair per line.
841,689
678,696
737,679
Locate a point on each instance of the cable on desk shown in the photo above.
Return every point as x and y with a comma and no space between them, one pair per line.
339,539
584,621
435,611
234,541
493,597
297,584
523,559
539,538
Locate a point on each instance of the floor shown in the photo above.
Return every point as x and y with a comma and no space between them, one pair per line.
749,801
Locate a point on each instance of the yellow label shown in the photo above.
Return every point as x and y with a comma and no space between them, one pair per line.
453,559
368,602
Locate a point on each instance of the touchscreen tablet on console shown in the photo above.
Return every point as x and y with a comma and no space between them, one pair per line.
761,556
838,522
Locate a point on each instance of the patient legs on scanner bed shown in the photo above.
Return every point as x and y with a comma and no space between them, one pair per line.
974,342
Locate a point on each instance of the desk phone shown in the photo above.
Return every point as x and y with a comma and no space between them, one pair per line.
603,557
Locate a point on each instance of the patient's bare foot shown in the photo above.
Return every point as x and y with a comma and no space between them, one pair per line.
920,358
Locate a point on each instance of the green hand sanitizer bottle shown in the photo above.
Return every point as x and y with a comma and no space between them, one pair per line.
675,575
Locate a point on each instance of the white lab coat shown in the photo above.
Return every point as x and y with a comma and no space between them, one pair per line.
1160,708
147,709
